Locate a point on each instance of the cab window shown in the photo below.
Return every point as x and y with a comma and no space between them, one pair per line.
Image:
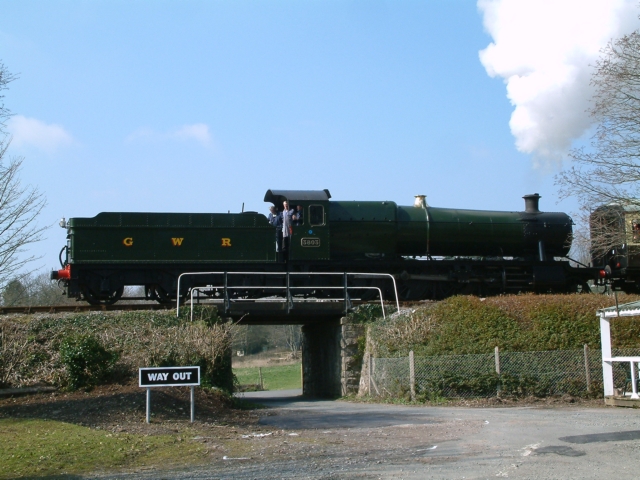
316,215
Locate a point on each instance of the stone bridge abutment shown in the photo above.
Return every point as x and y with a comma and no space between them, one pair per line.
331,360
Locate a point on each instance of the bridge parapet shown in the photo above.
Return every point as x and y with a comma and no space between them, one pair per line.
280,293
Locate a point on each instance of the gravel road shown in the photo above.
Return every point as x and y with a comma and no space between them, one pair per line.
332,439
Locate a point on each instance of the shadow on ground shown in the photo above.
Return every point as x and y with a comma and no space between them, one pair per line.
119,405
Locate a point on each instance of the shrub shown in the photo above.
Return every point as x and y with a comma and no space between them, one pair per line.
86,361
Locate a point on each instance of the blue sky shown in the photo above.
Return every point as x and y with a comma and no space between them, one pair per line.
201,106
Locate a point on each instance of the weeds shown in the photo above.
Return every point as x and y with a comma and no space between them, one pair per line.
57,350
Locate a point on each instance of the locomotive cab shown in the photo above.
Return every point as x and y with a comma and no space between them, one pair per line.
310,239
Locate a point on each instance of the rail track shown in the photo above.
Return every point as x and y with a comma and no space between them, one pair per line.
85,308
82,307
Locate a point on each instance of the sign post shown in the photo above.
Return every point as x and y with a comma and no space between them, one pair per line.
169,377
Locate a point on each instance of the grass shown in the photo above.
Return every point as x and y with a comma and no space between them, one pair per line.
277,377
36,448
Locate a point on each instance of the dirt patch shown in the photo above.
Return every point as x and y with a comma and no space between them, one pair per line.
122,408
555,401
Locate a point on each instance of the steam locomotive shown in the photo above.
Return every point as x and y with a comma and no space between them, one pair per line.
428,252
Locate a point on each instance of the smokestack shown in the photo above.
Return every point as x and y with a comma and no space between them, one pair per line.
531,203
420,201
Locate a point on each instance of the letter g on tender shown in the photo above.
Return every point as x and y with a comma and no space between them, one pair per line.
128,242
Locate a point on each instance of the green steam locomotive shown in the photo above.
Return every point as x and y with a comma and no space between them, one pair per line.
428,252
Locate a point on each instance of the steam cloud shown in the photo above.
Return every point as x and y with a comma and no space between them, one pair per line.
545,51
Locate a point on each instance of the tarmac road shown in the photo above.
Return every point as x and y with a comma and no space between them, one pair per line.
349,440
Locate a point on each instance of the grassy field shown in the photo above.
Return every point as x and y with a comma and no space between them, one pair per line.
35,448
277,377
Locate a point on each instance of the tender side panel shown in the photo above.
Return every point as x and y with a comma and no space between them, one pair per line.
171,238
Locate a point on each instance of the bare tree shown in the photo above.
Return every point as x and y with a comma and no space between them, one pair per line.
19,209
19,205
608,173
5,78
290,336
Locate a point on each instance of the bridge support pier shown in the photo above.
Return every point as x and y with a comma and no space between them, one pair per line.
321,359
331,361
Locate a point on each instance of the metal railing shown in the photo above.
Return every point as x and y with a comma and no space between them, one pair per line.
287,287
633,376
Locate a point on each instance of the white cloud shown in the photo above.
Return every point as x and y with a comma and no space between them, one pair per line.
545,51
198,132
32,132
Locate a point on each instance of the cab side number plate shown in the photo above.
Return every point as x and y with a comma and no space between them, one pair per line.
310,242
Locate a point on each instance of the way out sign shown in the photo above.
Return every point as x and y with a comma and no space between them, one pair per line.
169,377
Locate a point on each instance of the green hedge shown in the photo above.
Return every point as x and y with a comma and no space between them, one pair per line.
466,325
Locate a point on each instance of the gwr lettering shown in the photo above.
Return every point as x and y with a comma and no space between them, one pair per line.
226,242
158,376
177,242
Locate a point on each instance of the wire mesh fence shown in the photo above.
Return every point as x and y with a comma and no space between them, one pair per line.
557,372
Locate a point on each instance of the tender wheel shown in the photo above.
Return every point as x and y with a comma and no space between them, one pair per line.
159,294
103,299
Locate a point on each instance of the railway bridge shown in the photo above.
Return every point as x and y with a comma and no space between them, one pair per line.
330,357
331,360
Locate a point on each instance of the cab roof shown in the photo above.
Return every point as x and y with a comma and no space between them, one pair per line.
278,196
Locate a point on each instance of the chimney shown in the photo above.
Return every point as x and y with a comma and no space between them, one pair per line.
531,203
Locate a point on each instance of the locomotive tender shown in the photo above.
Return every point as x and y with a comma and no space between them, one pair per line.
431,252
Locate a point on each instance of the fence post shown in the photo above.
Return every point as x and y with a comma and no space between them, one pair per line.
412,376
260,378
586,366
497,356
